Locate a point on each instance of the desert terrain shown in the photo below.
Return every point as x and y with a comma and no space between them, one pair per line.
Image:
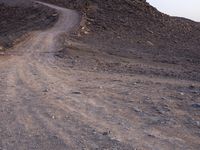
97,75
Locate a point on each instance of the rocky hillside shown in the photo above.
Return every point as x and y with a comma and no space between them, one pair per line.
127,25
17,20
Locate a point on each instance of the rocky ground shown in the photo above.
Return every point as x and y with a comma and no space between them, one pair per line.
134,29
129,26
20,18
124,77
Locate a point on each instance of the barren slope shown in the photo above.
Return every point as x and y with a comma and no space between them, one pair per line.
133,27
63,91
18,19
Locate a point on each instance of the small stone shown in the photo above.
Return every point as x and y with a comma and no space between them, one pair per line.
196,106
151,135
53,117
79,35
105,133
76,92
136,109
192,86
1,48
182,93
86,32
147,98
55,14
150,43
198,123
45,90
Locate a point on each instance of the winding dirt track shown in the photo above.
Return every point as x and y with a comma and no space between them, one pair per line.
44,106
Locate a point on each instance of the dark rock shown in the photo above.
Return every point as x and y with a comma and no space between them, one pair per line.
105,133
196,106
76,92
45,90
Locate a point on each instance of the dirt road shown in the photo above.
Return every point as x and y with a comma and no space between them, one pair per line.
48,104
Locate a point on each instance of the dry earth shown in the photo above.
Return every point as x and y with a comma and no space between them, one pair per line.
59,92
19,17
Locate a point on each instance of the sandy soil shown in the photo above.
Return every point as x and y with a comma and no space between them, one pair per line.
60,93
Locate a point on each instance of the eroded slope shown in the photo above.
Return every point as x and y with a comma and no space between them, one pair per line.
17,20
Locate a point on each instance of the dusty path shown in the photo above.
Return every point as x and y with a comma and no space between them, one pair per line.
46,106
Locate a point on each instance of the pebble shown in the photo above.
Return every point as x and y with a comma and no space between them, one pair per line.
45,90
55,14
136,109
86,32
150,43
197,105
163,98
76,92
192,86
135,83
198,123
105,133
